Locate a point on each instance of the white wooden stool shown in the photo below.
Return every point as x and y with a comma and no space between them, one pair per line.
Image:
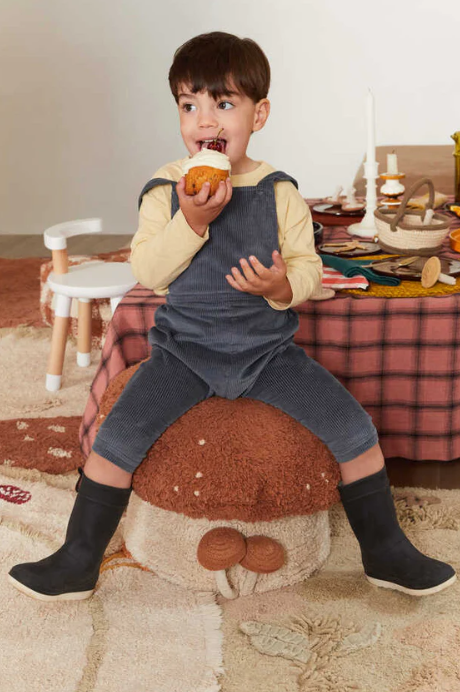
85,282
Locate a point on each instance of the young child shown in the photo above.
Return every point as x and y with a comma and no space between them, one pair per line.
232,266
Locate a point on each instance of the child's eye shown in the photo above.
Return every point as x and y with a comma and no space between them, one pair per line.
187,107
222,105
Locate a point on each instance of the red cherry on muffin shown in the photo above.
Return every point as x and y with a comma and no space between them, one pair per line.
215,145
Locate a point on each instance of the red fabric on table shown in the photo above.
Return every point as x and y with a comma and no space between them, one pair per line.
332,278
400,357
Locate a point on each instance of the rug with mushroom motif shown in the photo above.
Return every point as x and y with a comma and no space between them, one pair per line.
137,633
332,633
337,633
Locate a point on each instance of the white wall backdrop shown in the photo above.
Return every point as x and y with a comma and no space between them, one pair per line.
86,115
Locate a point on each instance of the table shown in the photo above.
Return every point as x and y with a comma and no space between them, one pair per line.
399,357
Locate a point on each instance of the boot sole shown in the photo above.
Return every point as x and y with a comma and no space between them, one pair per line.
412,592
71,596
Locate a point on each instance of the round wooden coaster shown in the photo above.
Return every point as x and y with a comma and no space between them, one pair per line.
431,272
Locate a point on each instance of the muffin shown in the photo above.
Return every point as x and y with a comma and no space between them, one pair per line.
207,166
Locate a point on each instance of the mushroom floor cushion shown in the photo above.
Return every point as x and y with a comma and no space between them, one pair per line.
230,467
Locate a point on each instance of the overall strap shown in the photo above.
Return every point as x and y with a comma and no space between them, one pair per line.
153,183
274,178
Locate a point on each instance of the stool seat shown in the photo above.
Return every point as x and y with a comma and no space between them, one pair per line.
229,463
94,280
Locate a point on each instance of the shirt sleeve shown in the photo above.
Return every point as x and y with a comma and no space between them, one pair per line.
297,245
163,247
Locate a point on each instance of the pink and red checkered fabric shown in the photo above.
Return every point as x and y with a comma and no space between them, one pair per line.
399,357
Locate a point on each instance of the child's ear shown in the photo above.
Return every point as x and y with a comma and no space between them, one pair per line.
261,113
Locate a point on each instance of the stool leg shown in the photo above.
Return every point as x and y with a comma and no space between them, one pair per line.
114,303
84,333
58,343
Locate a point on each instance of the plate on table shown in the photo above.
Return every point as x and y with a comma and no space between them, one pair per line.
336,210
453,208
413,271
318,232
369,249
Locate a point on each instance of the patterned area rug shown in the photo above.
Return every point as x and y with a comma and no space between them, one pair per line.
20,281
336,632
333,633
137,633
39,429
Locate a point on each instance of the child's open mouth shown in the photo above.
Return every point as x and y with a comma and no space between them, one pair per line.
215,144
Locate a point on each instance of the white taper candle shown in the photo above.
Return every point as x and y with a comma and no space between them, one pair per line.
392,163
370,157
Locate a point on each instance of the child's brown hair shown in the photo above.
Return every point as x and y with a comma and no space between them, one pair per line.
214,62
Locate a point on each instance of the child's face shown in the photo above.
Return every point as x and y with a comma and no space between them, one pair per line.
201,118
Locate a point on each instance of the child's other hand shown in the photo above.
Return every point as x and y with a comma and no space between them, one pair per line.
200,210
271,283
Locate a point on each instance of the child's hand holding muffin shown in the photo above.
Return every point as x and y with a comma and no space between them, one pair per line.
205,189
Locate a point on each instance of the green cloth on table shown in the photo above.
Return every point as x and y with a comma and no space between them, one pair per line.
354,267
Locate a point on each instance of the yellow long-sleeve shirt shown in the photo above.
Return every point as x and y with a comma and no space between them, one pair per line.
163,247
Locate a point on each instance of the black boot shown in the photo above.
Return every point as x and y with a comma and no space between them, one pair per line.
389,558
72,572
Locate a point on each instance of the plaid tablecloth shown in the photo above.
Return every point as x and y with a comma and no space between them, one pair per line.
399,357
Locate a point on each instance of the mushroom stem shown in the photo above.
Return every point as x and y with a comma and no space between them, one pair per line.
219,549
249,583
223,585
429,213
445,279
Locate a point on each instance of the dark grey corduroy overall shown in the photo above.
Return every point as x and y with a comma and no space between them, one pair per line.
210,339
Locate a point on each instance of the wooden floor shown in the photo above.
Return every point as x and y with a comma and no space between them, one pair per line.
402,472
424,474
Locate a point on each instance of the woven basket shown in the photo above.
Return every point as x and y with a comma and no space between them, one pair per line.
404,232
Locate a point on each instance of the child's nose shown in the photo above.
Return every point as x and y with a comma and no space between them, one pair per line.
207,119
